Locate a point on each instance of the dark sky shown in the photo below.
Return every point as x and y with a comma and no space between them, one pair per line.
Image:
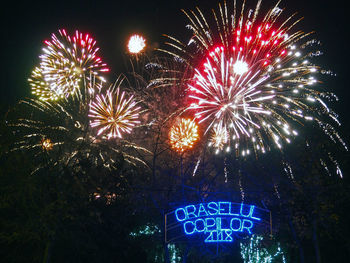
26,25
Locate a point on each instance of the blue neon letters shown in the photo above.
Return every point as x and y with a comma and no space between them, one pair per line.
218,220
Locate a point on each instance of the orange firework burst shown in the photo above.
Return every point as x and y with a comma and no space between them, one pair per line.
114,114
183,134
46,144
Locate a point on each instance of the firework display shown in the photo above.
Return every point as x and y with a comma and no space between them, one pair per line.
247,80
183,134
65,61
253,79
114,113
62,129
234,110
136,44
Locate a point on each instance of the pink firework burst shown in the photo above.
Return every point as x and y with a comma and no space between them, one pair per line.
67,59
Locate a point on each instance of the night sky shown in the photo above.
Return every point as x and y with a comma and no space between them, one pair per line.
26,25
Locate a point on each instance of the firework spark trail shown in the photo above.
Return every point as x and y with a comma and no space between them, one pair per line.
196,167
251,78
65,61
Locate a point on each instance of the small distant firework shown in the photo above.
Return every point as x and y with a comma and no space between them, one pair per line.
252,81
114,113
46,144
183,134
65,61
219,138
136,44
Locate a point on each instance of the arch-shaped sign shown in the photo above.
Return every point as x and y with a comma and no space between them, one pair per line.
214,221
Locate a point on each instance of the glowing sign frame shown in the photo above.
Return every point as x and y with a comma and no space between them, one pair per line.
218,221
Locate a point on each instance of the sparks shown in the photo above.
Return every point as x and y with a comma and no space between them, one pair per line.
62,127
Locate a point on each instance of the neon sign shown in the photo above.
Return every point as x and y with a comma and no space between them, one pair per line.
218,221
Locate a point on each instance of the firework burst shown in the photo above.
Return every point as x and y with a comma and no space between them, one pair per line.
253,80
136,44
183,135
46,144
64,62
219,137
62,130
114,113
